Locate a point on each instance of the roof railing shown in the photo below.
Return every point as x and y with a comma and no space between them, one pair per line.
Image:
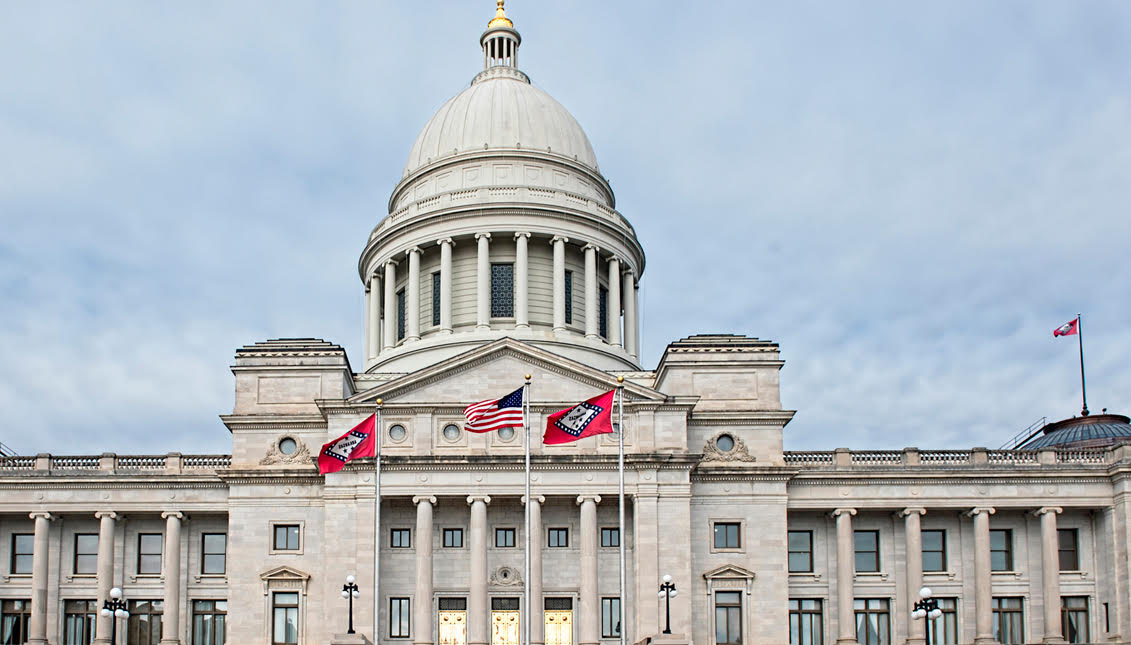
1023,437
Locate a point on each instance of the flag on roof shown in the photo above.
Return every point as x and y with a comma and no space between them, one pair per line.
1067,329
357,443
585,419
494,414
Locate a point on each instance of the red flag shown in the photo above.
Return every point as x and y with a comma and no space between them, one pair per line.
585,419
1067,329
358,442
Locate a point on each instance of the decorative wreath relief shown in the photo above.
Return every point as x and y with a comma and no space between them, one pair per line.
726,446
506,576
286,450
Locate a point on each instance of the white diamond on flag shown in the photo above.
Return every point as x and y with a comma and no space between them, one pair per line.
575,421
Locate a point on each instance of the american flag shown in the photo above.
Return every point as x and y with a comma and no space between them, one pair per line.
486,416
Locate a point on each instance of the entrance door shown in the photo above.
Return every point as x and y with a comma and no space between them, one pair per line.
504,621
558,615
453,621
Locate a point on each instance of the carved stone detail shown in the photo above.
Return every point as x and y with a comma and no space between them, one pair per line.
739,452
274,457
506,577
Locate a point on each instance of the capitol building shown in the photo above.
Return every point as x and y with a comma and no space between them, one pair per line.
504,254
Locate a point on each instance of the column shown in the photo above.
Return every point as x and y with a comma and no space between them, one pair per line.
412,295
537,622
983,611
845,575
1050,574
592,309
614,301
914,538
446,245
559,243
589,620
37,629
521,281
422,603
477,609
368,321
628,292
373,337
171,620
105,566
483,277
390,304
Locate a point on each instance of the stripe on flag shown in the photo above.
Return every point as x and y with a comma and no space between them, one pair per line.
494,414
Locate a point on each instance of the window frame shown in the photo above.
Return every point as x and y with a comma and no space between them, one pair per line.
400,535
882,611
499,300
78,619
205,554
798,611
610,537
790,551
276,606
154,617
857,552
559,531
1000,615
404,611
452,531
738,606
948,605
924,550
212,625
148,571
506,531
402,313
22,620
75,571
728,523
568,289
603,311
1074,551
275,550
1084,612
15,567
436,305
1007,551
610,617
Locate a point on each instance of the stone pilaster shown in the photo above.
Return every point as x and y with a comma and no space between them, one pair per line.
983,598
521,281
914,538
845,576
171,620
589,620
483,281
105,567
478,612
1050,574
37,628
422,603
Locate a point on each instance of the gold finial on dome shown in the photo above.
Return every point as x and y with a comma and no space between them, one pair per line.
500,19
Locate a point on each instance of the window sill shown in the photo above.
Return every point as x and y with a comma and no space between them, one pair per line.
1074,573
805,574
949,575
871,575
16,577
1005,574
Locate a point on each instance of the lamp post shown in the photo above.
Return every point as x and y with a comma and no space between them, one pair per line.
927,608
350,591
667,592
115,608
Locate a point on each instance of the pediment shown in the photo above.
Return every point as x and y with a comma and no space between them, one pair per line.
729,572
284,573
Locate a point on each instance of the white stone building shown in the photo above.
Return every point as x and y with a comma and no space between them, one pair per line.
503,255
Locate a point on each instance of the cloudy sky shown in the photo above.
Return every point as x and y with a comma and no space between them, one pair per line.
907,197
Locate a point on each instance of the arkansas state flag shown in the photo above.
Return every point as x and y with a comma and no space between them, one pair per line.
585,419
1067,329
354,444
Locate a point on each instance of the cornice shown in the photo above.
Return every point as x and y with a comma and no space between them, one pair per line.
274,422
983,479
777,418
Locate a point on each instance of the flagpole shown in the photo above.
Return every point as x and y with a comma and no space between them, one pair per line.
526,555
620,473
377,532
1083,390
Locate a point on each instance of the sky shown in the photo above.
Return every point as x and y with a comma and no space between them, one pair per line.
908,197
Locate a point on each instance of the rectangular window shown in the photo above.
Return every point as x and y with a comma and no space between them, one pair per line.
934,550
1009,623
801,552
1074,618
15,615
867,551
144,623
286,537
284,613
603,319
400,538
502,291
436,299
806,626
399,615
610,537
452,604
209,622
944,629
1067,549
728,618
453,538
149,553
401,313
610,617
873,620
78,621
504,538
504,604
728,535
86,554
214,553
558,538
22,547
1001,550
569,297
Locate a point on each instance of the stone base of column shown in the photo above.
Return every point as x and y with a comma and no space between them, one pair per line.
170,641
915,641
665,639
37,641
350,639
984,640
846,641
1054,639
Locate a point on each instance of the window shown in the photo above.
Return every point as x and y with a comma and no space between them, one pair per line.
436,299
286,537
209,622
453,538
145,622
867,551
78,621
504,538
610,617
873,620
569,297
1066,549
934,550
1009,623
1001,550
502,291
399,617
559,538
603,319
1074,618
400,538
452,604
22,547
401,311
728,618
944,629
806,626
801,552
727,535
284,613
149,553
14,618
213,553
610,537
86,554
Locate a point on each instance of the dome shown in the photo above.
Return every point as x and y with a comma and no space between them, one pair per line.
1084,432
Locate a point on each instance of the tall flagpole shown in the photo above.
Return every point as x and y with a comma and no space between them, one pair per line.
377,532
1083,390
620,473
526,555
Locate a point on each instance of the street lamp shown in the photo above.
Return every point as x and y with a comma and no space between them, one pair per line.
350,591
928,608
667,592
114,607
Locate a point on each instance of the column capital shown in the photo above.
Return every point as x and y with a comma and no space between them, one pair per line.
613,258
177,514
581,499
913,510
110,514
843,511
424,498
593,246
540,499
519,234
978,510
35,515
626,269
411,250
445,240
1056,510
559,238
471,499
390,262
484,236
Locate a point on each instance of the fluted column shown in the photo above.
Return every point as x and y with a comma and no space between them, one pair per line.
37,628
483,281
521,280
412,295
171,620
537,622
422,609
845,575
105,567
628,292
1050,574
589,622
373,301
592,293
390,304
914,538
446,245
559,243
614,301
477,611
983,610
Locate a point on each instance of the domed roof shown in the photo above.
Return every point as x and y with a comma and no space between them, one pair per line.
1084,432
